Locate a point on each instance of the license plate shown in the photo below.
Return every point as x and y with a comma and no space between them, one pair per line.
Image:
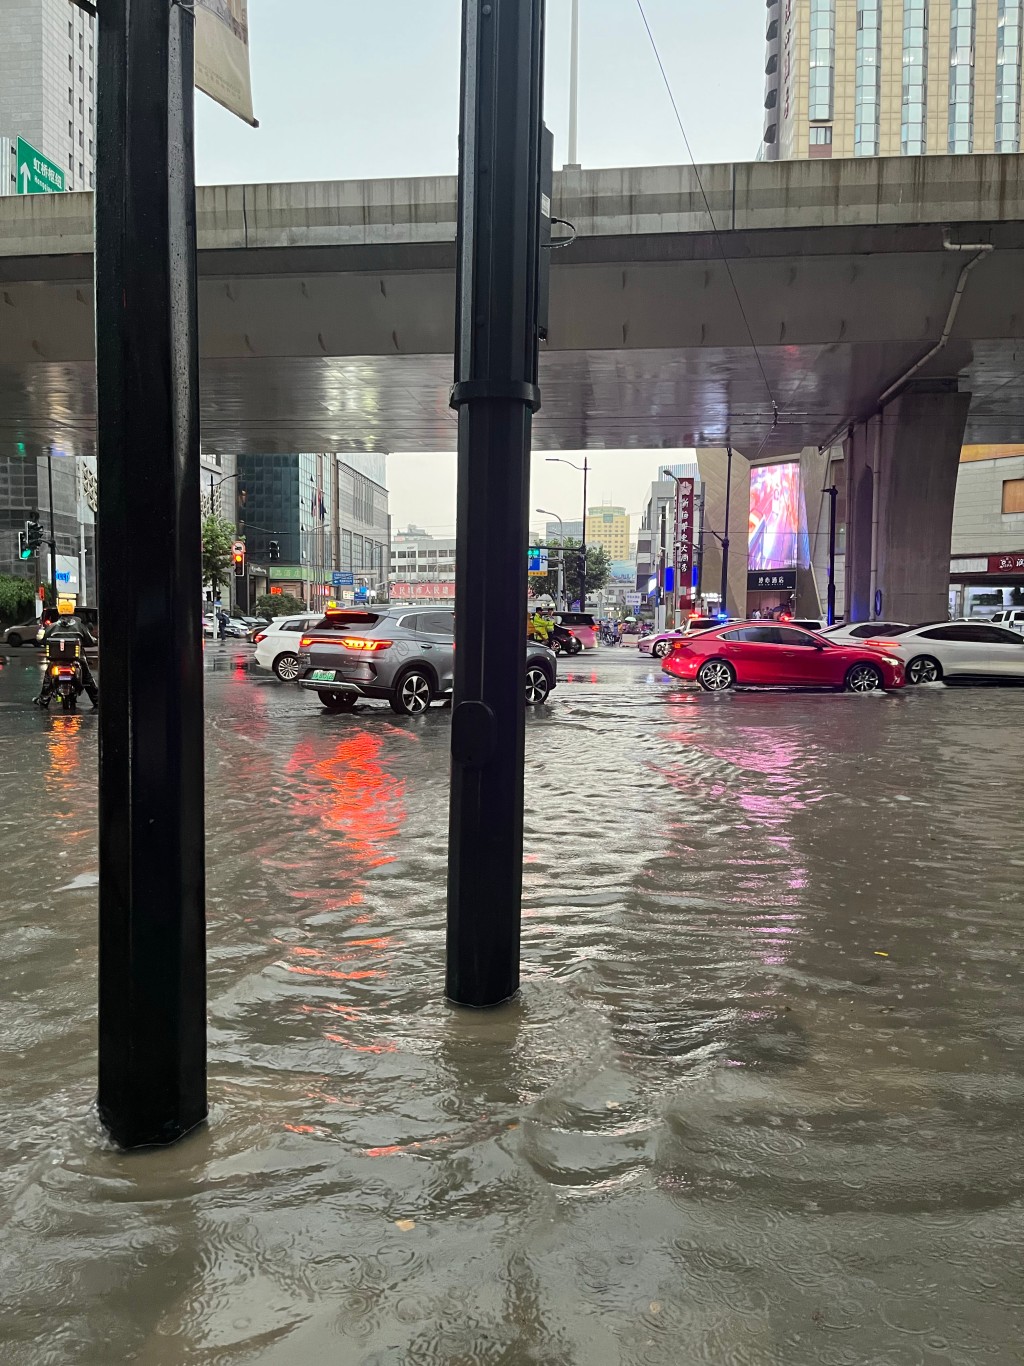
323,675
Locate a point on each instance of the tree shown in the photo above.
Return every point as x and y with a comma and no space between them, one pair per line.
278,605
17,597
599,568
218,537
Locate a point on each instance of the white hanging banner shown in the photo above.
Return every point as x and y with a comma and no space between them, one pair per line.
222,54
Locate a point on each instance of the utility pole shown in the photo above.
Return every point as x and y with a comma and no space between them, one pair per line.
833,496
574,91
723,606
152,971
700,550
496,394
53,534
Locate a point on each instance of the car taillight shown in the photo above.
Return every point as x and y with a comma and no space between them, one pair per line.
348,642
679,645
884,644
260,635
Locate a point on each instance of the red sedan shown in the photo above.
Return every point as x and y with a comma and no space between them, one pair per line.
755,654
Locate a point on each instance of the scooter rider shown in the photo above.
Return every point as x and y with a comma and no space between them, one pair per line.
69,628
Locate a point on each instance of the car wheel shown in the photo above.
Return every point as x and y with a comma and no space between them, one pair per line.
555,646
661,649
412,694
538,686
14,640
924,669
864,678
287,668
338,701
716,676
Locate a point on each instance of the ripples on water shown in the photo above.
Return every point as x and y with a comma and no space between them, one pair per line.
758,1103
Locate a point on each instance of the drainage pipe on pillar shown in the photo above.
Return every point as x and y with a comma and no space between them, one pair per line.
978,250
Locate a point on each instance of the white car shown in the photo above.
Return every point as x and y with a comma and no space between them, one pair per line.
957,649
659,643
277,645
851,632
1010,617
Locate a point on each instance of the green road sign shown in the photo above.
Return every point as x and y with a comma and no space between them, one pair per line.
37,174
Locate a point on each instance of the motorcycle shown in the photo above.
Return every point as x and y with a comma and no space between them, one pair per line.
609,636
64,670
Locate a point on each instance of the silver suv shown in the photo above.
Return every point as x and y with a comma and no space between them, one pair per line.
404,655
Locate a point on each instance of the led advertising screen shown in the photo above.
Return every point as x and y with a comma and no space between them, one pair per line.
774,516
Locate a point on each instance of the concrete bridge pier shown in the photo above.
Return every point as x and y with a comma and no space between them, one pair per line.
901,469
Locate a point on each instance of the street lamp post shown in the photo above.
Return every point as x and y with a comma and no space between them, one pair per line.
723,606
560,590
584,470
224,480
833,495
574,86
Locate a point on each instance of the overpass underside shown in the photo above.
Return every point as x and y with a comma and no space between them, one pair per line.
347,348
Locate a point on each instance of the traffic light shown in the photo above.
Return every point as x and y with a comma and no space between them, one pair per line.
29,540
238,559
274,550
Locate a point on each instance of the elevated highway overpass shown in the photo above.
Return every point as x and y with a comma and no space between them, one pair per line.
327,310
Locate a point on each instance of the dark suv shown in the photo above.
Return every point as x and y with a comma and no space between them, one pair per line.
403,655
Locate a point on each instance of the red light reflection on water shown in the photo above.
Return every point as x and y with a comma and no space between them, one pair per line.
351,795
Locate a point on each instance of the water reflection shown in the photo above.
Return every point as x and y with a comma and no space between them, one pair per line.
758,1101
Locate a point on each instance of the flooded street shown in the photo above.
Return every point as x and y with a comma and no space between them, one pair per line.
759,1101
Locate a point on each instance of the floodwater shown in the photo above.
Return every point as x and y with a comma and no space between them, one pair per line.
759,1102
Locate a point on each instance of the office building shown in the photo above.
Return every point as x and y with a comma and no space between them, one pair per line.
572,531
849,78
422,567
608,527
25,483
326,513
48,85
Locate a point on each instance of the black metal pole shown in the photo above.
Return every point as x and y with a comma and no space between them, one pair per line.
700,552
152,989
53,533
725,536
583,547
833,495
496,394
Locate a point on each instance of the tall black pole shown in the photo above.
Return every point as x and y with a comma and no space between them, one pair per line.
833,495
152,989
583,538
700,551
53,529
723,607
496,394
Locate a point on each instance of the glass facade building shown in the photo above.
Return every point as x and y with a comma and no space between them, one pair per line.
864,78
961,76
326,512
822,60
1008,68
867,91
914,117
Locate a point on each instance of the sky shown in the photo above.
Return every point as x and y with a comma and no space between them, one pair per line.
350,89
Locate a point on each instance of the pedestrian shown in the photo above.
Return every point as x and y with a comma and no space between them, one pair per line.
222,625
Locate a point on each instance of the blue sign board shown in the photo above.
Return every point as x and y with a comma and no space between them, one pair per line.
341,579
670,579
362,595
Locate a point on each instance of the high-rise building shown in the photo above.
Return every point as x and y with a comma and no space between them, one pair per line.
572,531
325,512
851,78
608,527
48,84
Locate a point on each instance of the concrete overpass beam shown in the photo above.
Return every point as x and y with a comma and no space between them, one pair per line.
902,467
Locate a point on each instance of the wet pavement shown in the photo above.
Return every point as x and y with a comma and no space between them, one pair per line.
759,1101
